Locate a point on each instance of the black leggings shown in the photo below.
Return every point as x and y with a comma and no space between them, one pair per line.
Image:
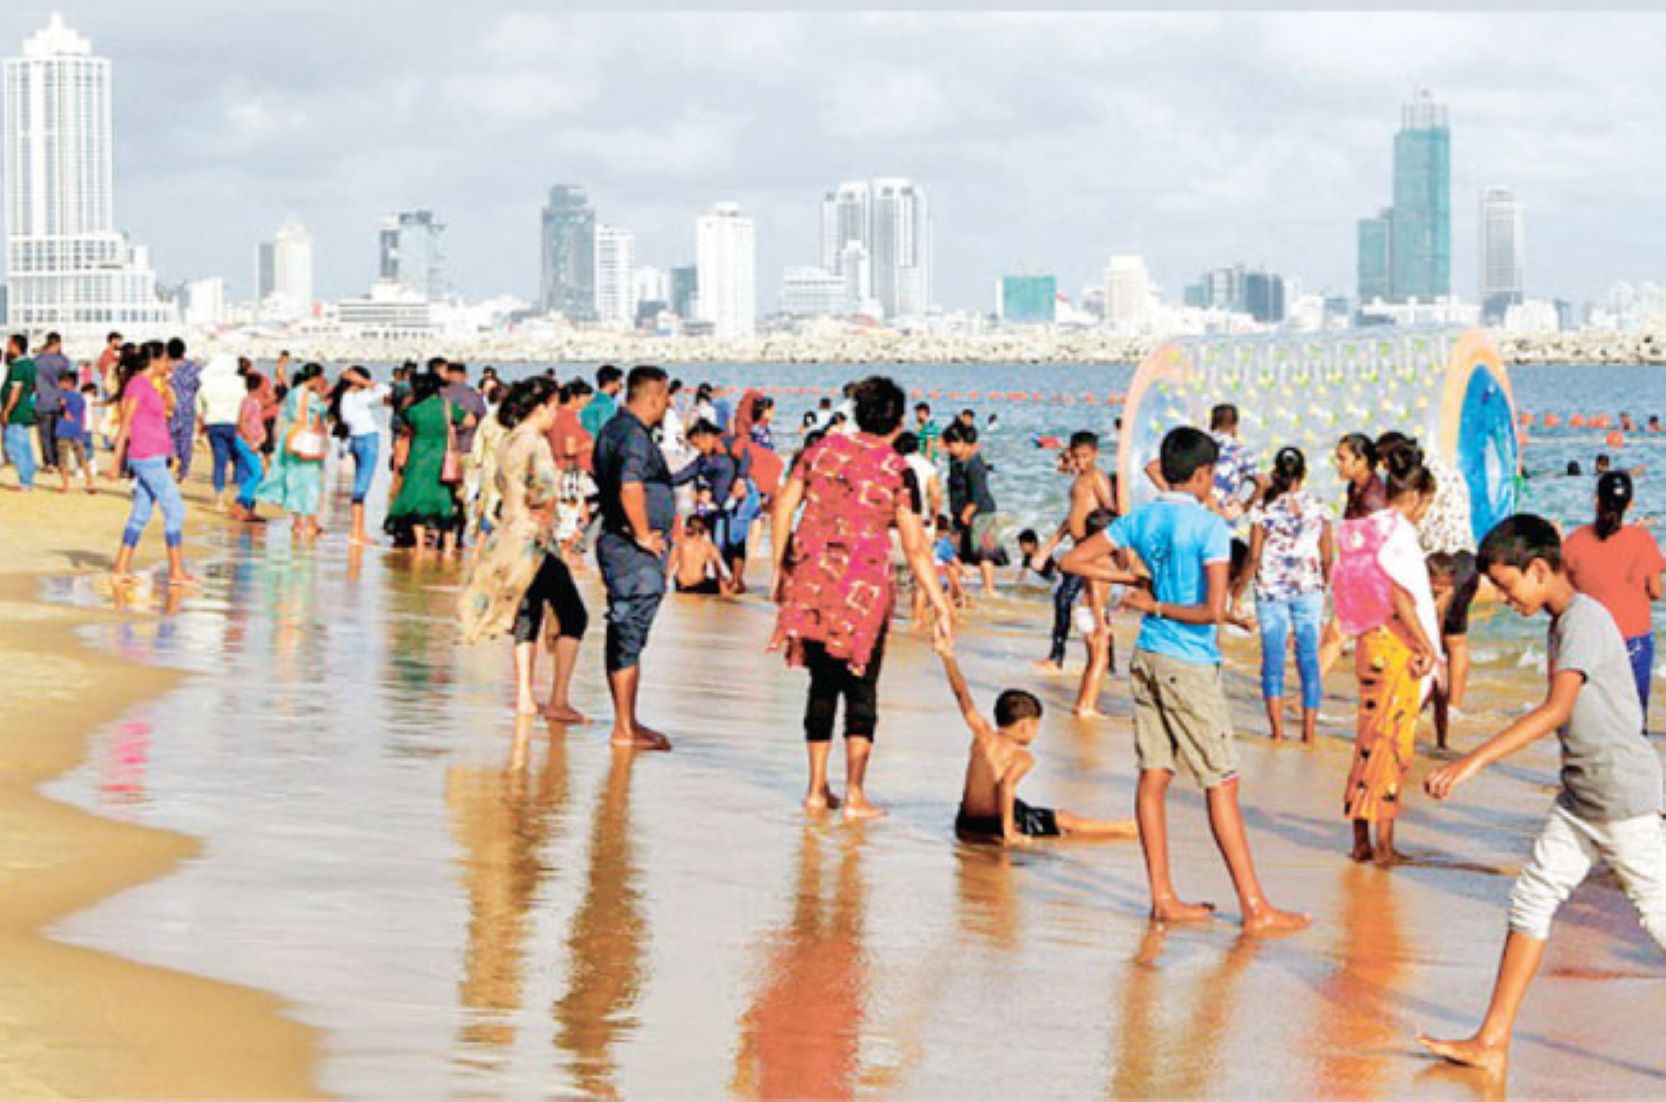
830,678
553,586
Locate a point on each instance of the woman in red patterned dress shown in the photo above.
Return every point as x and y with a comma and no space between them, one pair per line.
835,587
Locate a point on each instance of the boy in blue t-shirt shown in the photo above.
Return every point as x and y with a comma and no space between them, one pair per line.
71,434
1180,711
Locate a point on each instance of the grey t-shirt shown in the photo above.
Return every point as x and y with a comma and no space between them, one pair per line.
1609,770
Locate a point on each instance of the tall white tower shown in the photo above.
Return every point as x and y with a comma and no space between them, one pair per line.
615,274
725,252
1127,294
900,254
412,253
1503,260
67,267
846,217
284,273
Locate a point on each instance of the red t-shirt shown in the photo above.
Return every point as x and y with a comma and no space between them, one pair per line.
1614,572
567,426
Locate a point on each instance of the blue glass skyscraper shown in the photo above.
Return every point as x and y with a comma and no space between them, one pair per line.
1420,253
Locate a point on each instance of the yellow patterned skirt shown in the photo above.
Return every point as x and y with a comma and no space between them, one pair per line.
1385,740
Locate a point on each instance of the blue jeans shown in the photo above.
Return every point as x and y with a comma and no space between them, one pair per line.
222,440
1305,614
154,486
249,473
364,449
20,450
1641,652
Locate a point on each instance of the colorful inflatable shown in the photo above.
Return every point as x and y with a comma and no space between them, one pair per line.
1446,388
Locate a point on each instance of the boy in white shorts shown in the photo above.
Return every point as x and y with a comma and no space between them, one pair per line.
1609,806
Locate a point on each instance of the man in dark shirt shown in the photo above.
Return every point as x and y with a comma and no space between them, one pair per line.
638,511
971,502
727,478
50,363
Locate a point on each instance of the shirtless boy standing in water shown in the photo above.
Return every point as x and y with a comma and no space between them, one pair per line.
990,810
1092,508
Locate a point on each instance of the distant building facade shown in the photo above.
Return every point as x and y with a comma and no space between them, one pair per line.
615,269
1407,249
67,266
813,293
1503,261
1027,299
900,254
412,253
568,286
725,246
284,273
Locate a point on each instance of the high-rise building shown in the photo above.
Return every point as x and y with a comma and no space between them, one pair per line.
615,274
569,254
685,283
1503,240
856,270
67,267
205,302
846,217
284,273
1376,238
901,250
725,249
1263,296
1420,256
1027,299
413,253
1127,293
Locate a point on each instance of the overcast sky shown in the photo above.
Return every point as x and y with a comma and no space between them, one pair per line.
1046,142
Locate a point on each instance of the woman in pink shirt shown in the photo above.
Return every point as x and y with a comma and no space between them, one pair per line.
145,443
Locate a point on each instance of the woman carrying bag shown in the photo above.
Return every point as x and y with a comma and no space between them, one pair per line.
295,480
425,502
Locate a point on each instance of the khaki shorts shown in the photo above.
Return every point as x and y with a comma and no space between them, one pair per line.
1181,718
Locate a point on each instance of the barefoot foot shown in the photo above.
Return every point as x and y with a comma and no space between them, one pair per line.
1172,912
1272,922
858,808
821,801
641,738
565,713
1360,853
1471,1052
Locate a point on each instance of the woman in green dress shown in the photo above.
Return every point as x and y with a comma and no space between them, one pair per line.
424,502
295,481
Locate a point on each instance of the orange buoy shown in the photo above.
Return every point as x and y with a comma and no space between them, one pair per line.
1526,418
1615,439
934,394
1576,421
1551,420
1599,422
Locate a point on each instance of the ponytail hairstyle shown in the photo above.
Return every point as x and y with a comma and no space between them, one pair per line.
1362,446
133,363
344,383
1289,468
1613,499
523,398
1406,473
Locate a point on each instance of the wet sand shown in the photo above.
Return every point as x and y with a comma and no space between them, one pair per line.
75,1021
469,906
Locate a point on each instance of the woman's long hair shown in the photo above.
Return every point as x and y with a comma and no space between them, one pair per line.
523,398
1289,468
1362,446
1613,499
1406,472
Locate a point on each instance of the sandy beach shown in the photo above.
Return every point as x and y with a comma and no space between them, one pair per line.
76,1022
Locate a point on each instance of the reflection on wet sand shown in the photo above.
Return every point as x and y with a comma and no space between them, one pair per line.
1174,1026
1359,1027
607,944
801,1036
988,897
503,819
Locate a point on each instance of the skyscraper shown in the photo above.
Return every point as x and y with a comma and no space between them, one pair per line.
685,283
901,249
284,273
569,254
67,267
1375,239
413,253
846,217
725,249
1503,240
1420,254
1127,293
615,274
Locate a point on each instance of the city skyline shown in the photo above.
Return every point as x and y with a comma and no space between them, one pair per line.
1040,166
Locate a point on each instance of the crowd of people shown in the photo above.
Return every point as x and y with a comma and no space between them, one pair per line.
527,482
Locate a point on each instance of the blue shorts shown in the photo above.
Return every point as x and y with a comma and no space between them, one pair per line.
635,581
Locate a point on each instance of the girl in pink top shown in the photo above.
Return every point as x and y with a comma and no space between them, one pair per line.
146,445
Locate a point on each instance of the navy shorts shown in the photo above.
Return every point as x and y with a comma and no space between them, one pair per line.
1035,822
635,581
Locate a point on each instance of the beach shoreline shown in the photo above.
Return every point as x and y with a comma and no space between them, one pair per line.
77,1022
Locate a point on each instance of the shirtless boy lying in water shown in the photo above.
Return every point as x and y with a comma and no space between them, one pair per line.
990,810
